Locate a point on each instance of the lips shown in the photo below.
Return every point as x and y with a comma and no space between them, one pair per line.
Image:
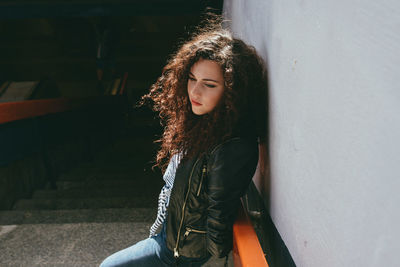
195,103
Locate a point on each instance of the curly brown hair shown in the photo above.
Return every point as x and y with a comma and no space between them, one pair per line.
242,109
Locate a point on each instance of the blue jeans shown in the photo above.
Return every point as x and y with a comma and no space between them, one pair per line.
150,252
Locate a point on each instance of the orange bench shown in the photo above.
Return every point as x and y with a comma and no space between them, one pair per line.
247,251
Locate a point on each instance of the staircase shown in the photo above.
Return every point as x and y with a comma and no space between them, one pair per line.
98,208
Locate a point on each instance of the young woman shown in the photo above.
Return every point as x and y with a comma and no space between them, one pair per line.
211,97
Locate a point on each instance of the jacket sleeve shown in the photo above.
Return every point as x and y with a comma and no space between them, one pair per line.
231,168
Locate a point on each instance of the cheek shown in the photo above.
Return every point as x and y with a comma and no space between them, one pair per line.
216,97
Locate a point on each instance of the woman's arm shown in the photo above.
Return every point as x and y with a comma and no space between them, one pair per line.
231,168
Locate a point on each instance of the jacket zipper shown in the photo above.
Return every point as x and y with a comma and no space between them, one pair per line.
201,180
176,252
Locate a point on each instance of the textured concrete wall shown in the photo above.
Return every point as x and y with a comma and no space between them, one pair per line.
335,125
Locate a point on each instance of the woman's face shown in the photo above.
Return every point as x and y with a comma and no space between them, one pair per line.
205,86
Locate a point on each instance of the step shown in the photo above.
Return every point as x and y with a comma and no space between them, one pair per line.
133,156
99,183
79,69
143,144
106,166
121,158
90,174
72,244
140,189
47,50
132,170
76,244
87,203
78,216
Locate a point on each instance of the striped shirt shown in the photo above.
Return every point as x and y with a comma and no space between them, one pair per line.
163,199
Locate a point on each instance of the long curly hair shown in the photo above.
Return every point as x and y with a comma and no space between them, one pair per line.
242,109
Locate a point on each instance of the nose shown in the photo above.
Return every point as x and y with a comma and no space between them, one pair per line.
196,90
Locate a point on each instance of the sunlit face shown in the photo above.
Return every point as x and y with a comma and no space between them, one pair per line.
205,86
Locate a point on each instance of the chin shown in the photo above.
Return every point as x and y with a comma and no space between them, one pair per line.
198,112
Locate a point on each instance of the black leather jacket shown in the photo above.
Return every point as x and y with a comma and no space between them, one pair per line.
205,198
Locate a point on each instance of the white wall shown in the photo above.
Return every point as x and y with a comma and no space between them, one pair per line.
334,71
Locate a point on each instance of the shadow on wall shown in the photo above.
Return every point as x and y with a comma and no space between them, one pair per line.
256,201
257,204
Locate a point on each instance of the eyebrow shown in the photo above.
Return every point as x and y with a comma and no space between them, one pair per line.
210,80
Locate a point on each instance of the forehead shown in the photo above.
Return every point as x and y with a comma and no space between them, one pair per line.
207,68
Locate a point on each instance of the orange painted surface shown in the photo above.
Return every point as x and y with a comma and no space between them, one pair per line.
13,111
247,251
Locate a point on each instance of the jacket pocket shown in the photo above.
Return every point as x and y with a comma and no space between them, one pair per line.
192,230
193,243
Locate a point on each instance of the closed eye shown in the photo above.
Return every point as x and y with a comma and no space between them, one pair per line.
210,85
